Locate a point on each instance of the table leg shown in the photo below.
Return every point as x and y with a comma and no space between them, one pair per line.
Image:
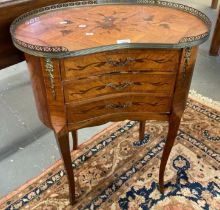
214,4
216,38
75,139
174,123
64,147
141,130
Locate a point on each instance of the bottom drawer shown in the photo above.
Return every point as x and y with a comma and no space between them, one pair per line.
130,103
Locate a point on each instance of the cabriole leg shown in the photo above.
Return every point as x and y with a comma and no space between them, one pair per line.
174,123
141,130
75,139
63,144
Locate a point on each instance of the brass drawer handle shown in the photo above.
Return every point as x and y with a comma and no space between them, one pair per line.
119,86
121,62
119,105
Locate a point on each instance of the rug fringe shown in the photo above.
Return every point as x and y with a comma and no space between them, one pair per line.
204,100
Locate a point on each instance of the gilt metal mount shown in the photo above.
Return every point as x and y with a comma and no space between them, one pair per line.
50,71
186,60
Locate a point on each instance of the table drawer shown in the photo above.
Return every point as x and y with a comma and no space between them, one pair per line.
121,60
121,103
95,86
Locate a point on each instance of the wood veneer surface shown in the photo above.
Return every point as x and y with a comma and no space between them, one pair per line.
94,26
135,60
71,102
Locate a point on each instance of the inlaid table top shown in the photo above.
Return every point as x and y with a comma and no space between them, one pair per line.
80,28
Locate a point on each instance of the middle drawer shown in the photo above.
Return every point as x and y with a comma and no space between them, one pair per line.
95,86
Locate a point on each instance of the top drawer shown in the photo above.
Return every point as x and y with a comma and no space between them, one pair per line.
145,60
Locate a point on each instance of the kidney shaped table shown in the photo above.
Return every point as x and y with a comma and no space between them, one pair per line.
92,62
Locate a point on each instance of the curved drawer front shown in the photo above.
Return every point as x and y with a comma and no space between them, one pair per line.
76,90
119,61
130,103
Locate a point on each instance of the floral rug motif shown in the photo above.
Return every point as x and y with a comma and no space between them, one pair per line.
116,171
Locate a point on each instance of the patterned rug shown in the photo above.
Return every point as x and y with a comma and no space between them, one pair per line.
114,170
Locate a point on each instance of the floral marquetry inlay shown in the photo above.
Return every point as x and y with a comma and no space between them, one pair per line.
99,27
